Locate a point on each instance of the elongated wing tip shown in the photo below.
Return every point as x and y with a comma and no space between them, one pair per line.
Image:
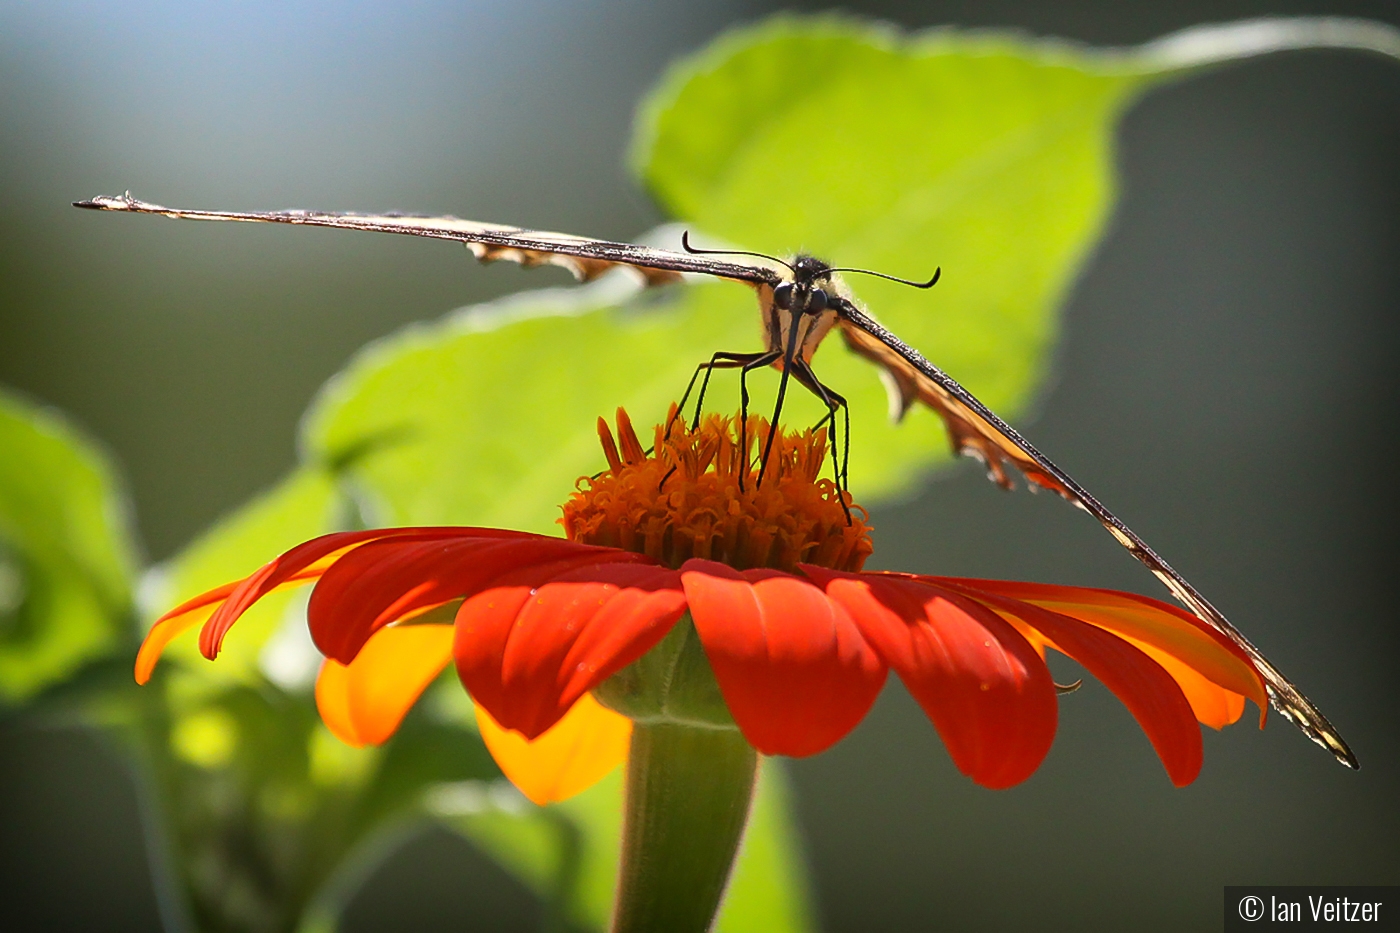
1339,749
104,202
1300,711
1327,737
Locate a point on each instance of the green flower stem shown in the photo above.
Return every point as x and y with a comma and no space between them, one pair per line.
690,780
688,796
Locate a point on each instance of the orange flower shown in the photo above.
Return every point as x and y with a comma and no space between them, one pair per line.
798,637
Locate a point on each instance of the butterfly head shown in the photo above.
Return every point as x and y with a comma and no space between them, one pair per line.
810,290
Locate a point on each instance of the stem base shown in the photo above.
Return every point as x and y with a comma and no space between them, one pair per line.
688,796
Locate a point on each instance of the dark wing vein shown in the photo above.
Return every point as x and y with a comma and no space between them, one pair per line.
977,432
586,258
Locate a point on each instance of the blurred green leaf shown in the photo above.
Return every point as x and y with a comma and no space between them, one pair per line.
505,397
423,754
769,891
67,555
550,849
598,815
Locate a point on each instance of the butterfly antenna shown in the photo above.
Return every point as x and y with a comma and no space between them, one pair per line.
685,241
929,284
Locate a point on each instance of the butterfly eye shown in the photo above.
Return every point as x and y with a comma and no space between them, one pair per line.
782,296
816,301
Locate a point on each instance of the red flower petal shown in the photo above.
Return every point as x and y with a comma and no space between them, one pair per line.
177,620
1143,685
981,683
540,638
792,666
1211,703
1159,626
301,562
387,580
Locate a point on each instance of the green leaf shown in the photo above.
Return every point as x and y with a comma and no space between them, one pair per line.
302,506
67,555
769,891
990,154
597,813
424,753
487,418
986,154
505,396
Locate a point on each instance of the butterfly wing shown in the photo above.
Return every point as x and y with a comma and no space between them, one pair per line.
585,258
976,431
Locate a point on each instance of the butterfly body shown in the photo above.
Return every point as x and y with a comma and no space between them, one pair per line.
800,306
801,303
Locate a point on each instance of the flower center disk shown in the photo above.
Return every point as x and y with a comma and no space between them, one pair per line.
697,494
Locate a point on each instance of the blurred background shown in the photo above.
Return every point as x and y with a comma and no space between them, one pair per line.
1227,383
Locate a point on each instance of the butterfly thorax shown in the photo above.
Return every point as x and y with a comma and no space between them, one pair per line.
804,302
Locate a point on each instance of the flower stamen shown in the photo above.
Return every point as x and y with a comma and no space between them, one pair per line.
695,495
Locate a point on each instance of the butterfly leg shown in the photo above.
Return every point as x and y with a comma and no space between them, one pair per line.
790,358
720,360
834,402
759,361
690,387
840,464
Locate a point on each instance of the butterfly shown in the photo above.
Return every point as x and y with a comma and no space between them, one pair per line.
801,303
